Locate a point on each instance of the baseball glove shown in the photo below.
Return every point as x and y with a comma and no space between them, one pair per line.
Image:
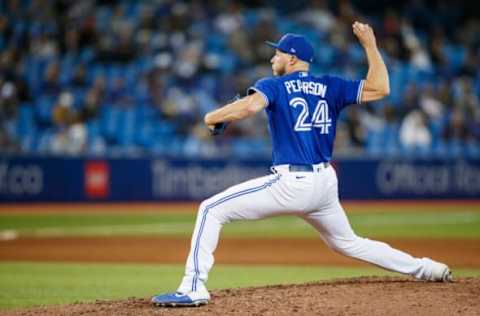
219,128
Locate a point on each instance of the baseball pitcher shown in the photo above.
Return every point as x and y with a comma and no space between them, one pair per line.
302,113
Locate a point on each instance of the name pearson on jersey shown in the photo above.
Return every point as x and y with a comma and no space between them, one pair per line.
308,87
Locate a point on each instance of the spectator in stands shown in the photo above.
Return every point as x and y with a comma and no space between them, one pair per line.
357,132
8,101
318,16
79,79
51,83
473,125
430,104
118,94
195,55
456,129
471,65
70,132
91,107
63,114
414,132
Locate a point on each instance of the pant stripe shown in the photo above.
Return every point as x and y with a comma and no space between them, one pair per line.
204,218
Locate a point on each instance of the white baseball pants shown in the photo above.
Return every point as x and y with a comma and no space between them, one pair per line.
310,195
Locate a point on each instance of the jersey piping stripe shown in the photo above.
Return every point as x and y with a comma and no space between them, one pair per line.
204,218
359,92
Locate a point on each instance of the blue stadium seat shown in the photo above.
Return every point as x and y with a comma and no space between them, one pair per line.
126,126
374,143
95,71
243,148
325,55
93,129
45,141
251,17
455,148
44,109
131,75
79,95
472,149
455,55
109,117
103,15
143,135
283,26
215,43
172,146
25,121
86,56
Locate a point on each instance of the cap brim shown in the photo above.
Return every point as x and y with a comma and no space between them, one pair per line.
272,44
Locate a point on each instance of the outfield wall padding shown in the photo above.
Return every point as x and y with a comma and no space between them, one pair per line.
160,179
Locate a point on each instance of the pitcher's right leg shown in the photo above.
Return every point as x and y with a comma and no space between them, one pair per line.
336,231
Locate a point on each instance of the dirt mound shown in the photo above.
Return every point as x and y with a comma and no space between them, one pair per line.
358,296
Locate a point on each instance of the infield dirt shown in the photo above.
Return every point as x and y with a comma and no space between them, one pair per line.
154,249
359,296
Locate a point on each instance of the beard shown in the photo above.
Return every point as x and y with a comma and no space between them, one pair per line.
278,71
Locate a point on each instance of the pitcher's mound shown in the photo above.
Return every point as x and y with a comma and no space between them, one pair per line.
358,296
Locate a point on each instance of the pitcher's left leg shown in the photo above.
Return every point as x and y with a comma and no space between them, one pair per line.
254,199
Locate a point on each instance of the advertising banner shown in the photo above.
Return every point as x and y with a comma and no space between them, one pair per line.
161,179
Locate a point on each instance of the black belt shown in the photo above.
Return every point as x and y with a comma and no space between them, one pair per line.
307,168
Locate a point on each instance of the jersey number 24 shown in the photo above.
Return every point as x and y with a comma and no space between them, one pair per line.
320,118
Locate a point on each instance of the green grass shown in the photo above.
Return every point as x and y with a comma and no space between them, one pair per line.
29,284
26,284
426,224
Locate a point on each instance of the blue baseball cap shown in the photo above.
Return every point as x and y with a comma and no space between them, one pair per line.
295,44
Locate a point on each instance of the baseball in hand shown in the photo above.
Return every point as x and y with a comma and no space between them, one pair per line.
359,26
364,33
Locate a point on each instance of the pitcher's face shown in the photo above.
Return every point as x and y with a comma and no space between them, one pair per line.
279,63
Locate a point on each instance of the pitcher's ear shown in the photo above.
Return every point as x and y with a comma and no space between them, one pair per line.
293,59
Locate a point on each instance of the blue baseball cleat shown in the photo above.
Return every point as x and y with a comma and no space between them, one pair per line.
180,300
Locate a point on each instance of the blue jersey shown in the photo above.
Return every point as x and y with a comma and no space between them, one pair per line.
302,114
